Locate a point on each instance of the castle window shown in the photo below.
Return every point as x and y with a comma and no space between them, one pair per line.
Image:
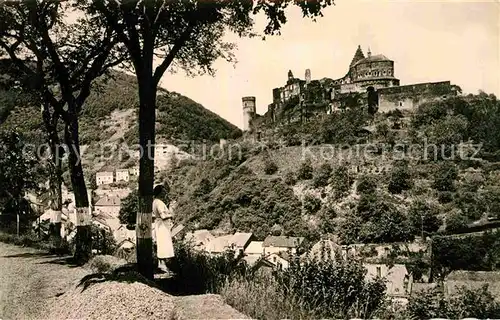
379,272
400,103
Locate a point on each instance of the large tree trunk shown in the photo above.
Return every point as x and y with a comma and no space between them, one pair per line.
147,118
55,179
83,240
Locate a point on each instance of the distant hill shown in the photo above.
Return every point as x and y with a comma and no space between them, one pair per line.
178,117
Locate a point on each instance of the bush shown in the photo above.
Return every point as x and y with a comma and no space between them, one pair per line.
290,179
445,175
305,171
263,298
311,204
270,167
198,272
366,185
351,296
478,303
340,181
400,178
322,176
102,241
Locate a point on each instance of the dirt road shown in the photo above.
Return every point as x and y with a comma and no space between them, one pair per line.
29,278
30,281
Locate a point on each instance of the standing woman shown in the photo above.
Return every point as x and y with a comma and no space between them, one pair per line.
163,225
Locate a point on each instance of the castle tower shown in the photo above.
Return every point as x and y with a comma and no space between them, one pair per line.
249,111
369,52
308,76
290,75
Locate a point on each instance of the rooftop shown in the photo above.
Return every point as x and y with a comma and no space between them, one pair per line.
282,241
107,201
240,239
375,58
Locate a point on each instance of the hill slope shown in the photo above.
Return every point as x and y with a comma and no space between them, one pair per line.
178,117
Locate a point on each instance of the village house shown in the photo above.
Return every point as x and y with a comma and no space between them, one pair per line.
199,238
109,205
237,242
240,241
104,177
219,244
280,260
122,233
275,244
398,280
255,248
134,171
122,175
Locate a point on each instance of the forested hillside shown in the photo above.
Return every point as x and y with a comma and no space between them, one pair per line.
178,117
398,187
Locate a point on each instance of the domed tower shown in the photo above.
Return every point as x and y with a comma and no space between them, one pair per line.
249,111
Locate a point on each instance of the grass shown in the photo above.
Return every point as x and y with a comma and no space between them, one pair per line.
262,298
31,240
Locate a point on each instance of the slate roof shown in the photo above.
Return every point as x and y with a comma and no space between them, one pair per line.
255,247
108,201
219,244
378,57
240,239
282,241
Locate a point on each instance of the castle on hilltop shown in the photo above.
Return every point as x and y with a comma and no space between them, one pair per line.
300,99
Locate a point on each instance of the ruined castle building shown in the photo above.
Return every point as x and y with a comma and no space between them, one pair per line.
249,111
372,74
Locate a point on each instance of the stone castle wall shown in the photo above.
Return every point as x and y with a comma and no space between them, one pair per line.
410,96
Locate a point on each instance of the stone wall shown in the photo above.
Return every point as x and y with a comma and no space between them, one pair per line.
410,96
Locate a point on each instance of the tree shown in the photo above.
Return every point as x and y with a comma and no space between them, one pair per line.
445,176
400,178
61,59
305,171
270,166
17,173
340,181
423,218
322,175
367,185
185,35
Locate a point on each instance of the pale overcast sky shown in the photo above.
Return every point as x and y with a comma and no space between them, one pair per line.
428,40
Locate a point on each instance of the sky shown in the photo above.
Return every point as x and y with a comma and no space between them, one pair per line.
429,41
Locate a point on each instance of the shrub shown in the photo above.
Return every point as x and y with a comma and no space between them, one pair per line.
290,179
311,204
322,176
445,175
478,303
400,178
198,272
366,185
351,296
263,298
270,167
340,181
102,240
305,171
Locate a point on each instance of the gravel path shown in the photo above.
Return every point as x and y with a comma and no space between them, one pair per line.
29,278
34,285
